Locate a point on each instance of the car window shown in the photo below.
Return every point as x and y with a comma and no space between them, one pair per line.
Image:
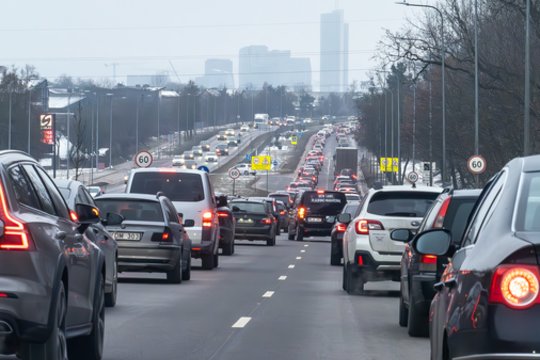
176,186
170,212
457,215
46,203
250,207
431,215
528,213
24,192
326,203
58,200
132,209
401,203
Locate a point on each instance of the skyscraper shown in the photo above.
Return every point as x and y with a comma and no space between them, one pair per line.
334,52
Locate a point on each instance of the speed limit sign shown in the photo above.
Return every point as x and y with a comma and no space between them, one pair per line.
412,177
143,159
234,173
476,164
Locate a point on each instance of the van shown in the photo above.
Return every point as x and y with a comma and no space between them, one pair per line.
193,197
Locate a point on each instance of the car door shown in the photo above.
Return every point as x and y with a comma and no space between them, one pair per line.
79,250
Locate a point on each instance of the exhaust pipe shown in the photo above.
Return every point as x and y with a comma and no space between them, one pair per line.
5,329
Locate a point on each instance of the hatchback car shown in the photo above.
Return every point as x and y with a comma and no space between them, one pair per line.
369,254
74,192
254,221
245,169
52,277
151,237
450,211
178,160
193,197
487,301
336,236
316,214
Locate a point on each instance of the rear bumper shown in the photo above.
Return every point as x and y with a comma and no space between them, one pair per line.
162,258
372,270
314,230
252,233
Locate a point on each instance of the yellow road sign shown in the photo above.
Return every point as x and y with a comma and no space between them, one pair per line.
261,162
294,140
389,164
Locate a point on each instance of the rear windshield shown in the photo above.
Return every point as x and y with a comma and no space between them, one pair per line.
456,218
528,218
401,203
351,209
176,186
249,207
137,210
284,198
328,203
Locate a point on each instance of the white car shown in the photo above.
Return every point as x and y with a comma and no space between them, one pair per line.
230,132
245,169
244,128
178,160
210,157
368,252
353,197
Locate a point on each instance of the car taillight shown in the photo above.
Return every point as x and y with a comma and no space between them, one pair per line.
516,286
341,227
282,212
222,214
208,216
363,226
165,236
428,263
266,221
15,236
439,220
320,192
301,212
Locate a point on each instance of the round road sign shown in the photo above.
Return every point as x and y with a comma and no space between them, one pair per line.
412,177
143,159
234,173
476,164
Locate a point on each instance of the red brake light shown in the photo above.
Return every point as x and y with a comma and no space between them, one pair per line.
165,236
167,170
222,214
282,212
360,260
266,221
15,235
207,219
301,212
428,259
363,226
73,216
320,192
341,228
439,220
516,286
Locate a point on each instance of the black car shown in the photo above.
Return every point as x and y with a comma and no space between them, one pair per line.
336,236
487,302
283,215
449,211
283,196
272,204
227,225
222,150
254,221
316,214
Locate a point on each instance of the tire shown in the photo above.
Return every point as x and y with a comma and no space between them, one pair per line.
403,312
271,241
233,247
228,249
174,276
335,256
110,298
90,347
344,284
216,260
55,348
186,273
299,234
417,325
355,282
208,261
290,236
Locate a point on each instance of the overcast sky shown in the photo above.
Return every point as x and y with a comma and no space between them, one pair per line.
80,38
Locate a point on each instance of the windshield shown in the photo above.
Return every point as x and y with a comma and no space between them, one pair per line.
328,203
401,203
176,186
249,207
133,210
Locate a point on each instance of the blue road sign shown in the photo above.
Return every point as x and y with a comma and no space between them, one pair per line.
203,168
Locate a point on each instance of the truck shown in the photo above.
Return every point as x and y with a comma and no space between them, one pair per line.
260,120
346,158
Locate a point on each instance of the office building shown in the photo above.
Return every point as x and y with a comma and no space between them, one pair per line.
334,52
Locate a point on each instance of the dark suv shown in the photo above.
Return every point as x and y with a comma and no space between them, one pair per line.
316,214
418,272
52,277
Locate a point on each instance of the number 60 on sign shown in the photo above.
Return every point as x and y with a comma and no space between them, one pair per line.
476,164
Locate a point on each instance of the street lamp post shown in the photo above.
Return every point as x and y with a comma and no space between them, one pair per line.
158,120
9,118
443,81
110,131
527,95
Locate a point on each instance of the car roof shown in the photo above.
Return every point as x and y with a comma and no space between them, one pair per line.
466,193
167,170
418,188
128,196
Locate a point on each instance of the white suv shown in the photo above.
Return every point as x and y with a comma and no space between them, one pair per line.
368,252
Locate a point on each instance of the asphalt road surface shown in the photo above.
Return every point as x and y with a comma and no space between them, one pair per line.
282,302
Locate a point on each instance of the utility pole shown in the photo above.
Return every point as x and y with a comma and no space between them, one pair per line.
527,97
9,118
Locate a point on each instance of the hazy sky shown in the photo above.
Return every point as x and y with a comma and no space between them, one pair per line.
79,38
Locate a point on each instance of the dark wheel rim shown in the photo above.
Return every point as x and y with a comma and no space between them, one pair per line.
61,337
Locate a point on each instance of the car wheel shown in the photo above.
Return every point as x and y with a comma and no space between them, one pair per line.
335,256
278,230
216,260
246,173
207,261
344,284
232,246
110,297
55,348
90,347
228,248
186,273
174,276
403,312
290,236
299,234
355,282
417,324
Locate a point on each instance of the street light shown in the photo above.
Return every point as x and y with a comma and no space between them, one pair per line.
527,95
443,54
111,127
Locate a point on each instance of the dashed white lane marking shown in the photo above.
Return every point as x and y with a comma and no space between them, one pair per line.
298,258
291,266
282,277
302,251
306,245
242,322
268,294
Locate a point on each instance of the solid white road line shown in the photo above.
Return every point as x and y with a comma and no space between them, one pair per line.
268,294
291,266
242,322
282,277
298,258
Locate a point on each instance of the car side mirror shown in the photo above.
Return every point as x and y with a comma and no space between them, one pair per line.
189,223
86,216
113,219
401,235
433,242
344,218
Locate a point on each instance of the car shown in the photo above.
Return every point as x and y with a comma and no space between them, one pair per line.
230,132
205,147
245,169
352,197
197,151
193,197
284,196
336,236
348,172
210,157
232,143
283,215
74,192
418,273
222,150
52,276
95,190
222,136
178,160
254,221
227,225
188,155
272,203
244,128
486,300
151,237
369,254
315,214
188,164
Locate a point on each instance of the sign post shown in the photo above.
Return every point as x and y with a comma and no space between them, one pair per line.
234,174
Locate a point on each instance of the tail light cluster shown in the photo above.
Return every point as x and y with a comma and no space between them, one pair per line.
363,226
16,236
266,221
208,218
428,263
301,212
341,227
516,286
222,214
165,236
439,220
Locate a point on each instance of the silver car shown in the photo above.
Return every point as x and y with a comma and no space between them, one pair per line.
193,197
151,237
74,192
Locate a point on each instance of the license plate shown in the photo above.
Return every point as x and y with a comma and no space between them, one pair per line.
314,220
129,236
